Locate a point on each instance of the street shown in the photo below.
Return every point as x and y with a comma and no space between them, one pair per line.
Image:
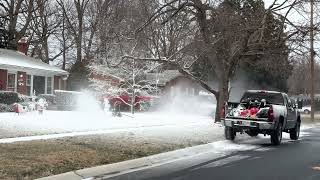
291,160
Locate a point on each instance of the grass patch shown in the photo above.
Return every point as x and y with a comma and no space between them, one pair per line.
29,160
306,118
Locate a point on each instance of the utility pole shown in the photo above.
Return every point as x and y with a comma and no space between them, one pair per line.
312,53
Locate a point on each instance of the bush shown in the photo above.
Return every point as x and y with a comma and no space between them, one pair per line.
5,108
8,98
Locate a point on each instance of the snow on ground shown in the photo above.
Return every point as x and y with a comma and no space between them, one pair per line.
76,121
159,126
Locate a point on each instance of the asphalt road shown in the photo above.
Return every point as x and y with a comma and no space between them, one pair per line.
292,160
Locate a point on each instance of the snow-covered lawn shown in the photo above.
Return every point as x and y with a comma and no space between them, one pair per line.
57,124
50,122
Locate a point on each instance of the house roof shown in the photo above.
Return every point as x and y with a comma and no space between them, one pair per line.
163,77
102,70
11,59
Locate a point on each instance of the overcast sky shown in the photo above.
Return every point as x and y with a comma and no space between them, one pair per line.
299,17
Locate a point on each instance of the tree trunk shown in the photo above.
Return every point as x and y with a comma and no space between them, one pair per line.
79,47
132,102
46,50
63,44
222,96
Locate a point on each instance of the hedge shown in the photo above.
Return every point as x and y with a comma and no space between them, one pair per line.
9,98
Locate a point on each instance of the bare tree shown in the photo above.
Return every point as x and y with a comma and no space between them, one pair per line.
225,34
18,16
131,72
45,24
74,13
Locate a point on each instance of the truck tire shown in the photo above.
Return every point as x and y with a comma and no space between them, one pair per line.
295,132
276,135
229,133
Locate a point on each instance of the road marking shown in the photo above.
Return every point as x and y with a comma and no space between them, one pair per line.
223,162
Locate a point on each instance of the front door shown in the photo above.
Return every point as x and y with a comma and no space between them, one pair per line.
39,85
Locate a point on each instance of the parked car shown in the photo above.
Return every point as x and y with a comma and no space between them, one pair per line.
262,112
305,109
143,101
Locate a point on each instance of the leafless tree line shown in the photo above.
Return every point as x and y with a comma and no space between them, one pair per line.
203,39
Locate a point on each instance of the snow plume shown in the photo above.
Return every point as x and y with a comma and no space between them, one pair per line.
185,100
239,84
87,102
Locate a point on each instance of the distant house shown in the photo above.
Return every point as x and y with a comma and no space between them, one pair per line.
172,83
26,75
102,80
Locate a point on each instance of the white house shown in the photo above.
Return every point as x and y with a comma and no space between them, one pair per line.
27,75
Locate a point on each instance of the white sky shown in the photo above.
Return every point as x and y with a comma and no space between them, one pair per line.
298,17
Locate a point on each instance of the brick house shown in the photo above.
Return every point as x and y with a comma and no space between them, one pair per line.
171,83
102,81
26,75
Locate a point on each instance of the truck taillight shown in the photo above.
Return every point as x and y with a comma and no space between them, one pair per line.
270,114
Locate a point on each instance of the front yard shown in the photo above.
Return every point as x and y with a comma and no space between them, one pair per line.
89,139
34,159
29,160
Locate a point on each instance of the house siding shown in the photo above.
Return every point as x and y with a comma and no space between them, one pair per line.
181,86
3,79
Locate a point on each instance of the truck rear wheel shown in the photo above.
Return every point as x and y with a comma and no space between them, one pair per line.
276,135
295,132
229,133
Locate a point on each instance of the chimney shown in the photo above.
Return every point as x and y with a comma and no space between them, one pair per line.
23,45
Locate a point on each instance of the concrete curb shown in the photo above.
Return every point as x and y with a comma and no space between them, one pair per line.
134,164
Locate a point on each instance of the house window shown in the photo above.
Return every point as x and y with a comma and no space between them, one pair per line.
28,80
49,85
11,85
28,84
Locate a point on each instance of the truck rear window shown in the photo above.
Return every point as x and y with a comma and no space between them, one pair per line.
271,98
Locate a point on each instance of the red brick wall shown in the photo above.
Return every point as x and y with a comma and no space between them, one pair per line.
23,46
3,79
21,82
